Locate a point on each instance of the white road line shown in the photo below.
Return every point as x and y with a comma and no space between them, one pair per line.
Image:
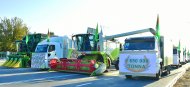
2,75
91,83
83,84
8,68
36,79
108,79
15,69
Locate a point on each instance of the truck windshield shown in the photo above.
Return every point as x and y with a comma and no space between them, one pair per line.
42,48
139,44
86,42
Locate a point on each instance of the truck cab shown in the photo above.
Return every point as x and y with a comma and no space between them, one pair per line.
85,42
176,57
145,56
56,47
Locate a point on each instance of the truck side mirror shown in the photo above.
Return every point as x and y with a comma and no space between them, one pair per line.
49,54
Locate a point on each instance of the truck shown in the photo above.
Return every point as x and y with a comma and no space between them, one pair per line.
146,56
188,56
176,57
185,55
182,53
25,48
55,47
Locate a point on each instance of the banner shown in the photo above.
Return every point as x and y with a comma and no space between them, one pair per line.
138,62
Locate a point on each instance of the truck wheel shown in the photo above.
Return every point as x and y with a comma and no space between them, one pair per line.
117,65
158,75
169,69
128,76
177,66
28,64
167,72
180,65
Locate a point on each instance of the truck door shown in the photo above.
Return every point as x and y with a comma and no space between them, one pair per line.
51,51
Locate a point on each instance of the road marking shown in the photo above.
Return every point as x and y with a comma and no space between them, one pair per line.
83,84
37,79
2,75
108,79
15,69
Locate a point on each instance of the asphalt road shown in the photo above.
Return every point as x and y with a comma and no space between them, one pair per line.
26,77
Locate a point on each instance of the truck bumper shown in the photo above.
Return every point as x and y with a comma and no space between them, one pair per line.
138,74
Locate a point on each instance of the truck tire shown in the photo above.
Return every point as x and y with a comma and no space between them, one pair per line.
28,64
128,76
180,65
169,69
177,66
117,65
158,75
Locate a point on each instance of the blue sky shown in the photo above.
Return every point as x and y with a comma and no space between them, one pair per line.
37,14
67,17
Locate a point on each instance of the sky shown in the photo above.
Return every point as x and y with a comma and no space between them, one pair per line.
67,17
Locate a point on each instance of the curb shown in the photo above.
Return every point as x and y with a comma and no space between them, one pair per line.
172,83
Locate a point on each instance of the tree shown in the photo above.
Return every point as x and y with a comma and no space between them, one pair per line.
10,31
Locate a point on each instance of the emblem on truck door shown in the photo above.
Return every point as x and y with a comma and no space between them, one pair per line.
137,63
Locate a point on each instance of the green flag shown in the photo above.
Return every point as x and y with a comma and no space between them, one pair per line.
26,39
96,33
157,29
179,46
48,37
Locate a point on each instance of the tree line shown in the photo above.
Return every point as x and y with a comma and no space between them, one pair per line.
11,30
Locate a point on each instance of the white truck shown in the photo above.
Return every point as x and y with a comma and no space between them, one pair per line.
146,56
188,56
56,47
185,55
176,57
182,54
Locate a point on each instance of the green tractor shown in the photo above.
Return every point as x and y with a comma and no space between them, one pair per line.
25,48
93,46
104,51
94,54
